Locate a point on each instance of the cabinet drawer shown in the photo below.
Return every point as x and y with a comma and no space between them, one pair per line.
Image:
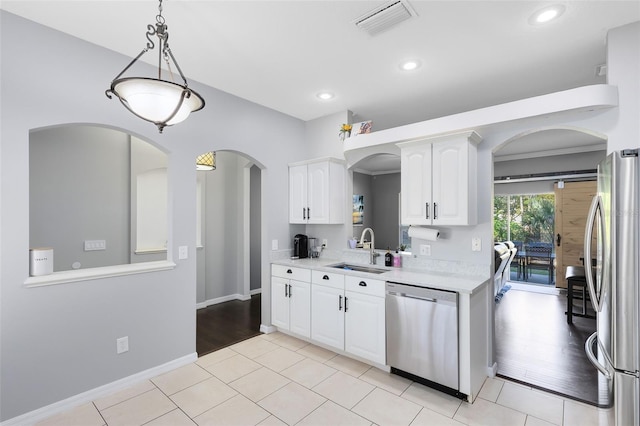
365,286
291,272
328,279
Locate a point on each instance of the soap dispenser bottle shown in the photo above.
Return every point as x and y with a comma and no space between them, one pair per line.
397,260
388,258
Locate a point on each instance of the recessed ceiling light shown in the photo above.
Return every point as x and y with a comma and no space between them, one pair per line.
410,65
547,14
325,96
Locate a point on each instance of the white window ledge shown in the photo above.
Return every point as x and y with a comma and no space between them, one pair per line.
76,275
151,250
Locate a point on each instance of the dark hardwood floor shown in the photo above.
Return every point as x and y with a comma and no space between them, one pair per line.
227,323
536,346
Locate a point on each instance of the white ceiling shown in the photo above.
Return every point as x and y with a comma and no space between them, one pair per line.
280,54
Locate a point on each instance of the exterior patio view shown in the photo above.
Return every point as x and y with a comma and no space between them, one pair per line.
527,221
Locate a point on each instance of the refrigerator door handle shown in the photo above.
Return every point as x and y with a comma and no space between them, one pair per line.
588,348
594,210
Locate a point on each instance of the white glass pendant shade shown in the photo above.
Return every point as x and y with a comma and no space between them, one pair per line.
157,100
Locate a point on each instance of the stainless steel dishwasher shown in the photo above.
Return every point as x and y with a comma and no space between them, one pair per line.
422,334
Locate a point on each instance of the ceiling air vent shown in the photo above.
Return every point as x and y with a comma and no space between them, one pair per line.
384,17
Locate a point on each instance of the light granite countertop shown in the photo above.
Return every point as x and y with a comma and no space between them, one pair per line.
452,281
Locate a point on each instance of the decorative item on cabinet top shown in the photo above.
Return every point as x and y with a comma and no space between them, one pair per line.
361,128
345,131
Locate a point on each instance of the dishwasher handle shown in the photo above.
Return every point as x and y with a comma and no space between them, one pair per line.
421,293
411,296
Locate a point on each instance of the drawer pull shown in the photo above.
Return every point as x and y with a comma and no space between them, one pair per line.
326,277
289,271
362,284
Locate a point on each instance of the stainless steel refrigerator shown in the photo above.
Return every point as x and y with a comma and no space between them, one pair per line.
612,238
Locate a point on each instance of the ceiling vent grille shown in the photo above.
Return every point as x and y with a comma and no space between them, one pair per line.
384,17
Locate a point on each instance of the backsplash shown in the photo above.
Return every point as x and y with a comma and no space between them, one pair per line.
409,261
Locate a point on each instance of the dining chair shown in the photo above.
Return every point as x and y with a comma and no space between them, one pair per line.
539,258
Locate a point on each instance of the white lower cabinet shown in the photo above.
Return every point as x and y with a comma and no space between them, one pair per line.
327,308
365,327
365,331
348,313
291,299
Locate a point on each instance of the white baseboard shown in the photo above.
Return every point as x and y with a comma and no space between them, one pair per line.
492,370
267,329
227,298
35,416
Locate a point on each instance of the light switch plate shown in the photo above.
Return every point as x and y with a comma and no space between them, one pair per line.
183,252
274,244
425,250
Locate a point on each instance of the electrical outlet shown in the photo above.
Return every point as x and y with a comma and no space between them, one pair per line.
476,244
122,345
92,245
425,250
274,244
183,252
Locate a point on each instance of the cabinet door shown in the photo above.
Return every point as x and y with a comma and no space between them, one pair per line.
450,183
415,183
298,194
318,192
327,316
280,302
300,308
365,327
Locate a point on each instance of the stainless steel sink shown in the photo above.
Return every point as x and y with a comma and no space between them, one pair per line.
358,268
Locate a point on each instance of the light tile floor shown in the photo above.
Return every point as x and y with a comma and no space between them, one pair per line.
276,380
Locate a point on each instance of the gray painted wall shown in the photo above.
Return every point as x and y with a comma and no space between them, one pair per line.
551,164
386,220
255,229
362,185
77,323
79,179
381,207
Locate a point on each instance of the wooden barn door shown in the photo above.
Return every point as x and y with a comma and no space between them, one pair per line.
572,207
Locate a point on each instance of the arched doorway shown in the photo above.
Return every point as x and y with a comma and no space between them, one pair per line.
534,344
228,251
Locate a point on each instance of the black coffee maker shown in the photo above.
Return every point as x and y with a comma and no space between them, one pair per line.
300,246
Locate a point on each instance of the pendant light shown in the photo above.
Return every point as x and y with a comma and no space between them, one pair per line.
159,101
206,161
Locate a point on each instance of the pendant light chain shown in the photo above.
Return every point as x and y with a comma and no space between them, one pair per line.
159,101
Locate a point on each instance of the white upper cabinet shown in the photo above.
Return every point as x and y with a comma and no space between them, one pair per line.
317,192
438,180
